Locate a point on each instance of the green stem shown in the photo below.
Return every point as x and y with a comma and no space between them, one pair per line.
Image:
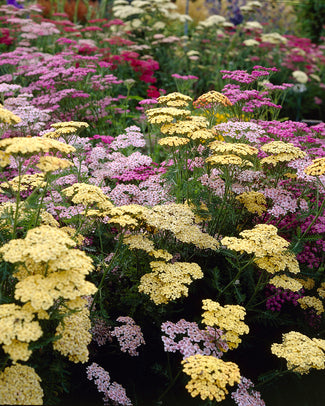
169,386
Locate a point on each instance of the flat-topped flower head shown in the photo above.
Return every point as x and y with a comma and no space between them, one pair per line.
210,376
4,159
237,148
201,135
282,152
71,124
163,115
211,98
269,249
83,193
228,318
307,302
173,141
175,99
169,282
301,353
254,202
285,282
317,168
184,127
27,146
227,159
51,163
24,182
7,117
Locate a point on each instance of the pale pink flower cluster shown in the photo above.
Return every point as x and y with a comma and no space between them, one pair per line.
283,201
129,335
186,337
245,395
114,393
132,137
213,182
241,130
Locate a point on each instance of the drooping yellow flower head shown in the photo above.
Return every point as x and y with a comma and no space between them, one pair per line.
20,385
301,352
228,318
210,376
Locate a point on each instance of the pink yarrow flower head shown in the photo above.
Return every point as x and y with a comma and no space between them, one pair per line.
188,339
113,392
245,395
129,335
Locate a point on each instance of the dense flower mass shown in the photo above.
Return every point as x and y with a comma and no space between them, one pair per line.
152,157
210,376
301,352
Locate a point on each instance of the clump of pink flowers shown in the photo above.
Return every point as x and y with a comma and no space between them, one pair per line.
187,338
245,395
114,393
129,335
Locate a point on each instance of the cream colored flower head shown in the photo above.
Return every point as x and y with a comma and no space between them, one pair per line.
282,152
7,117
300,76
77,125
173,141
26,146
301,353
51,164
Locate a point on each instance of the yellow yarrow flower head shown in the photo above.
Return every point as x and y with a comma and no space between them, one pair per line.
73,332
228,318
270,249
17,323
83,193
240,149
168,282
201,135
282,152
27,146
211,98
77,125
173,141
285,282
321,290
24,182
51,163
307,302
20,385
184,127
317,168
17,351
4,159
7,117
227,159
301,352
210,376
163,115
254,202
175,99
